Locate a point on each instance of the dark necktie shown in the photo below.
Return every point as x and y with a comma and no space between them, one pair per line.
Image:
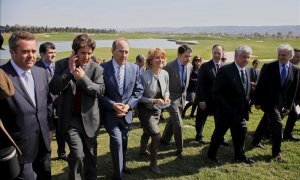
218,67
50,70
77,101
244,80
283,75
254,75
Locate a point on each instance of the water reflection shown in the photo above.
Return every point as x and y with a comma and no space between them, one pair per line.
62,46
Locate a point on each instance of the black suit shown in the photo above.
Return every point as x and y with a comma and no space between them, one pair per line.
272,98
254,74
232,102
54,118
206,77
28,123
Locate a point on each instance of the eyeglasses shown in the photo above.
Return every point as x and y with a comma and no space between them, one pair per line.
197,60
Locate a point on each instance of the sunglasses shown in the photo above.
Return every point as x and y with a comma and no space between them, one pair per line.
197,60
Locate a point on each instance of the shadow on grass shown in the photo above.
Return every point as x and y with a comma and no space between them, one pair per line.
195,159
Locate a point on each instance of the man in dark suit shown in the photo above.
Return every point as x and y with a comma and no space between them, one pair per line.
179,76
293,116
47,62
231,91
254,74
206,77
79,81
123,90
25,114
274,94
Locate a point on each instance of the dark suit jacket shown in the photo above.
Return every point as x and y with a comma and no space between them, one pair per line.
92,86
21,118
206,77
133,91
177,96
54,98
228,92
254,78
269,93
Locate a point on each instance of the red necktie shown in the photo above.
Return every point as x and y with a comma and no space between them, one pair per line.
77,100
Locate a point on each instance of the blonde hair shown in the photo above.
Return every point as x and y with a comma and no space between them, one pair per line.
152,53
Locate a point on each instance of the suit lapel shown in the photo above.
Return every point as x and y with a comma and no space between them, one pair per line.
289,77
37,79
238,78
188,74
248,82
128,76
111,75
212,67
18,84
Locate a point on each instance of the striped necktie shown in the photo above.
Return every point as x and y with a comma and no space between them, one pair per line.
244,80
29,85
120,79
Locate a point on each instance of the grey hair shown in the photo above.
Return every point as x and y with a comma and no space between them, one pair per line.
242,49
287,47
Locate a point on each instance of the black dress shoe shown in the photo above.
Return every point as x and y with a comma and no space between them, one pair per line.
291,138
126,170
179,154
224,143
245,160
164,143
259,145
214,159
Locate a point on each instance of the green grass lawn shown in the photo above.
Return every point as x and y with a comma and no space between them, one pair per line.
195,164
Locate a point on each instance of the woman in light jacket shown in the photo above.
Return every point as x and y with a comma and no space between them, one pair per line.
155,81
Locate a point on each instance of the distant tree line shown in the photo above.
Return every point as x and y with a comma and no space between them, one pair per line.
46,29
255,35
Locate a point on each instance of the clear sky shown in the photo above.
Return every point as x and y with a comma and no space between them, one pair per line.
149,13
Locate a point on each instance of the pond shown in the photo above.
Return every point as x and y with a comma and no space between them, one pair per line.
62,46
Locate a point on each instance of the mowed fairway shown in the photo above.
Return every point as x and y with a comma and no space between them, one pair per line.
195,164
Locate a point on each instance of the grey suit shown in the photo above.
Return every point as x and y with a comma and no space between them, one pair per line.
28,123
118,127
178,98
80,129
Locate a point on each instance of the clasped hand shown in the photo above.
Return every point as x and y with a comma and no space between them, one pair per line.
121,109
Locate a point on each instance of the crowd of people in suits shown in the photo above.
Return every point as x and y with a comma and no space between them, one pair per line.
75,96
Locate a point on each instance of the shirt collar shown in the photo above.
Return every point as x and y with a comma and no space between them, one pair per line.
286,65
116,65
18,69
179,63
47,64
240,68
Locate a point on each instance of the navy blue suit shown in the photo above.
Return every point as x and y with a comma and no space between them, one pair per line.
27,123
118,127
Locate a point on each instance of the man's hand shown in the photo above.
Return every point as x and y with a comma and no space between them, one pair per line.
78,73
167,101
121,109
72,62
202,105
158,101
